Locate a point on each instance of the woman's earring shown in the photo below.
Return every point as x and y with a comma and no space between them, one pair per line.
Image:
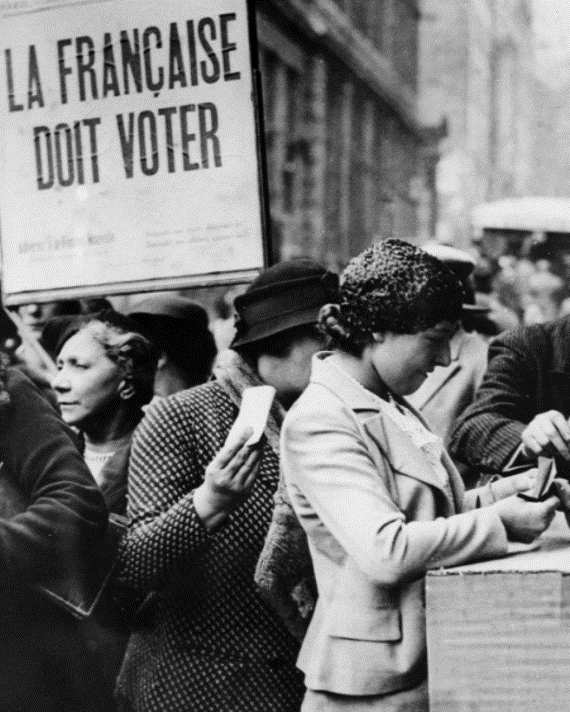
126,390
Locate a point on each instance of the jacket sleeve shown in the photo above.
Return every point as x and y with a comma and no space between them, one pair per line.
489,430
330,473
65,513
164,529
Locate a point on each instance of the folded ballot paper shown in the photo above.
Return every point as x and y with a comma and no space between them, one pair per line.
253,413
546,472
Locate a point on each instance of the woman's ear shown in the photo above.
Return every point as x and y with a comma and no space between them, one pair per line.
126,389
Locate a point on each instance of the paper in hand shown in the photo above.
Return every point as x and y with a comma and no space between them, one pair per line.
543,482
254,411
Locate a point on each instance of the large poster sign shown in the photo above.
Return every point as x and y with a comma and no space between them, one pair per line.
129,154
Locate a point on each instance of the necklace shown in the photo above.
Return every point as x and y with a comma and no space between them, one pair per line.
97,456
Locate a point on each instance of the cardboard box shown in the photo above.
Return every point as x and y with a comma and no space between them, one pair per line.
498,632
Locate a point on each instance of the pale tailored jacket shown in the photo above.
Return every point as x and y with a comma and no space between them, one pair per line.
377,517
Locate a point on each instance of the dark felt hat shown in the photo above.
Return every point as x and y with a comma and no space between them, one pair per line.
282,297
177,325
172,306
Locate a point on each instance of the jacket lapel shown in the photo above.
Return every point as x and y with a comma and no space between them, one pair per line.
387,441
376,433
456,484
404,458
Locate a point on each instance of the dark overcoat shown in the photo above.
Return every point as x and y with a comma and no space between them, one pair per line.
45,662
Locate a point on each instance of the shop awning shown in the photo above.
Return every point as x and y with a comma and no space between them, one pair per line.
535,214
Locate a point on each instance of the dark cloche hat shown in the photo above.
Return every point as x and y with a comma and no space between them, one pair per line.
284,296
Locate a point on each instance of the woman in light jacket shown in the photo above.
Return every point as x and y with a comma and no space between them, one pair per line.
374,489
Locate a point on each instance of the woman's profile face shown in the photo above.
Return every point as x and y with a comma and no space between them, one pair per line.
403,361
87,383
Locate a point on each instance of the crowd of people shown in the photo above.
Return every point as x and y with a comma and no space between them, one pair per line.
521,291
285,574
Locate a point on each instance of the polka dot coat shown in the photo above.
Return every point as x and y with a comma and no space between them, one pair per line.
216,646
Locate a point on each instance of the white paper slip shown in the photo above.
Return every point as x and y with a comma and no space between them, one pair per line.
253,413
545,474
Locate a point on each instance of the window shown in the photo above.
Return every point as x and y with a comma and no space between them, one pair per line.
406,46
284,87
360,175
334,158
360,15
292,158
376,22
379,171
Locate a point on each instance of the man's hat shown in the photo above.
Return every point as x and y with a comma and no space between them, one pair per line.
284,296
178,326
462,264
174,307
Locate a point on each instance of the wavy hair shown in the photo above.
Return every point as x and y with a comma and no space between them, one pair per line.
133,353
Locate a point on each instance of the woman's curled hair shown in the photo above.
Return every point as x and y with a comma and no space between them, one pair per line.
134,354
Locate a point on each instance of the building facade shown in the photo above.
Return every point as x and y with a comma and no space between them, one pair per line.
552,144
348,159
476,70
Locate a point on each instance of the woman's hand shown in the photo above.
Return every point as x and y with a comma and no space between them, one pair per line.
524,520
512,484
227,482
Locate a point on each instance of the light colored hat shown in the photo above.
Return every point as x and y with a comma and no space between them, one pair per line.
463,264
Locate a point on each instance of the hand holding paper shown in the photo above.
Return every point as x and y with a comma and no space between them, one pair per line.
231,474
254,411
543,479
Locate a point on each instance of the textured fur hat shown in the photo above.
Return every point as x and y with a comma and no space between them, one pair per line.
394,286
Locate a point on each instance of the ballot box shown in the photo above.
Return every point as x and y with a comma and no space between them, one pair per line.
498,632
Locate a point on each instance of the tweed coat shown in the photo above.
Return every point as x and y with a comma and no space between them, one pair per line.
216,645
528,373
377,516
